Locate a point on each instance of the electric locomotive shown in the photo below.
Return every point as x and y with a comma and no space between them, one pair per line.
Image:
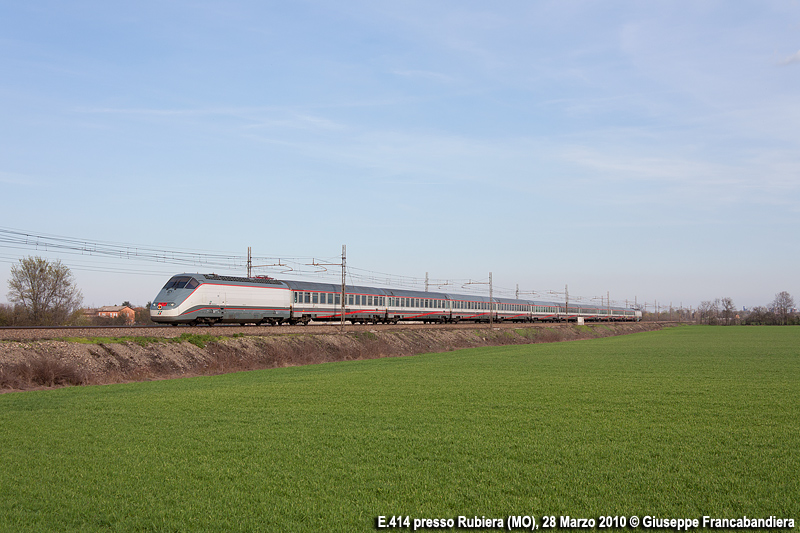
210,299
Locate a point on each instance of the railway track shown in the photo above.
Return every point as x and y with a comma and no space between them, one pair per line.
32,333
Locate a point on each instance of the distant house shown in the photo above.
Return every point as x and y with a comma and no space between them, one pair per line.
114,311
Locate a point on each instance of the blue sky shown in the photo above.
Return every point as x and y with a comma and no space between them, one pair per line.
644,149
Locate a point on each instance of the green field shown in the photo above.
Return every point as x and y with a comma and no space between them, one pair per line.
683,422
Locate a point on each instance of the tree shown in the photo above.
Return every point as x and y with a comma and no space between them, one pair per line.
143,315
708,311
728,310
759,316
783,305
45,289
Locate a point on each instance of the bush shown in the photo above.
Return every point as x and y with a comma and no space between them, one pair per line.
41,371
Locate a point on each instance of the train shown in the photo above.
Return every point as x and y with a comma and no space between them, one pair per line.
213,299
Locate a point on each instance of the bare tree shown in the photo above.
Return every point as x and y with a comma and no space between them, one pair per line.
707,312
782,306
728,310
45,289
760,316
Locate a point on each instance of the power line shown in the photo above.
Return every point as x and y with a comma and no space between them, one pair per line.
289,267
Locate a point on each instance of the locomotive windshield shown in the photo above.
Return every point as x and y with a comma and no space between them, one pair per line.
181,282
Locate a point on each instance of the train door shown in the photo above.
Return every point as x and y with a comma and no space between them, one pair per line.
217,299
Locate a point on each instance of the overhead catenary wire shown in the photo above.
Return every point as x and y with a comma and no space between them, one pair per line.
289,267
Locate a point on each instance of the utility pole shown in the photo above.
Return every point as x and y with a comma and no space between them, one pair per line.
491,302
566,309
344,293
517,291
426,282
249,262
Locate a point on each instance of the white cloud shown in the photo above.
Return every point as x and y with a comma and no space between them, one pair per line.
794,58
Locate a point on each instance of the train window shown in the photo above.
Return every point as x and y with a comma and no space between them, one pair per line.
178,282
192,284
337,299
369,300
349,299
314,297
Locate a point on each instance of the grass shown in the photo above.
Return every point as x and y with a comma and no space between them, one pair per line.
199,340
682,422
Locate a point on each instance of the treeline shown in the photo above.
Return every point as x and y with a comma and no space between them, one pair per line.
723,311
43,293
20,315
